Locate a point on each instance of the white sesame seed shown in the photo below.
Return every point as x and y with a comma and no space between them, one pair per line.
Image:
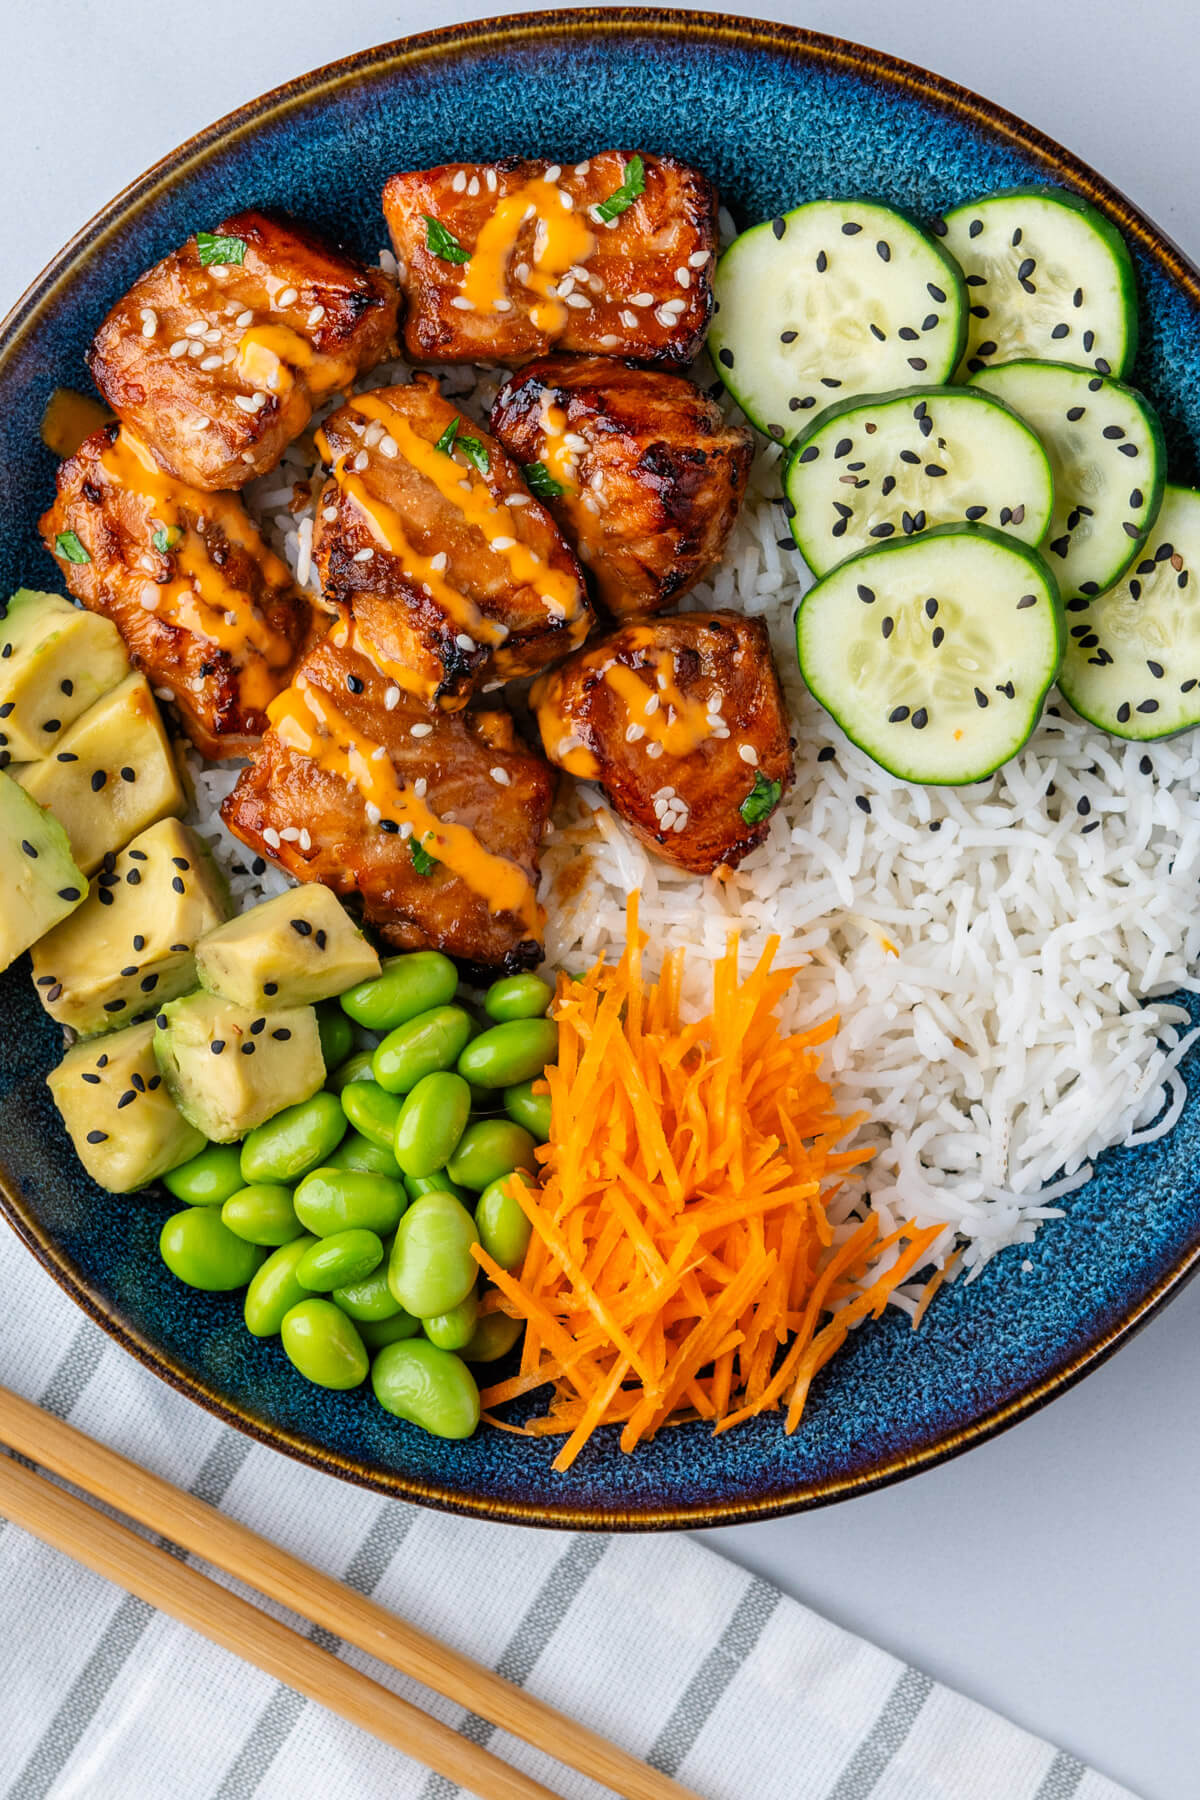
634,733
164,693
406,829
419,731
329,514
290,834
748,753
490,178
503,543
366,555
641,299
460,181
552,173
228,357
714,721
566,286
579,300
178,348
697,259
288,297
260,400
716,700
211,362
464,641
582,168
378,753
609,341
219,271
150,602
196,347
149,323
374,813
568,205
420,787
247,455
211,336
675,306
392,699
373,433
629,320
654,751
501,305
473,185
462,303
305,839
574,442
360,461
272,837
500,776
315,316
684,277
516,500
651,705
196,329
244,318
246,402
681,822
388,446
664,317
522,272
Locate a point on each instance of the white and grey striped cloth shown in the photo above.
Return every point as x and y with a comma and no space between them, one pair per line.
708,1673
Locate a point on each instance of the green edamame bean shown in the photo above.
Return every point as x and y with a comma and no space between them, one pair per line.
409,985
488,1149
433,1040
324,1345
201,1251
262,1214
297,1139
431,1267
372,1111
333,1200
486,1102
526,1108
504,1231
376,1333
355,1068
510,1053
429,1387
432,1120
369,1299
492,1338
336,1033
346,1256
274,1289
357,1152
451,1330
437,1183
517,997
209,1178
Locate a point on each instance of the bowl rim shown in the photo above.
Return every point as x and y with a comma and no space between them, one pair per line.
719,31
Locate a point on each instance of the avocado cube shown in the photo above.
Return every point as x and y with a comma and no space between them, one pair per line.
111,776
289,951
230,1068
41,881
55,662
131,945
122,1121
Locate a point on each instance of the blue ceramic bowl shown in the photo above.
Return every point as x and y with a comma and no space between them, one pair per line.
777,116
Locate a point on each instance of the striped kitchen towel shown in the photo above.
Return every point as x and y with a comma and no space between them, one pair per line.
708,1673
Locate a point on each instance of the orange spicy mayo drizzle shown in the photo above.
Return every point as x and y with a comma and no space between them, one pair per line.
308,723
557,457
269,355
561,239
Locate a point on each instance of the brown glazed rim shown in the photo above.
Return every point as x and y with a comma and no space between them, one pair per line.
719,31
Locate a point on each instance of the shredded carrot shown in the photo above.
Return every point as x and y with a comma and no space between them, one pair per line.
682,1255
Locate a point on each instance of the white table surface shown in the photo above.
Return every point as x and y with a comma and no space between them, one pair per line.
1051,1574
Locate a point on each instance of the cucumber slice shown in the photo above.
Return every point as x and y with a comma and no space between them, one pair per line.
894,464
1106,452
1133,656
1048,276
935,654
839,297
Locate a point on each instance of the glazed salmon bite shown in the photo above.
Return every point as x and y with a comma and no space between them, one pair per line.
500,262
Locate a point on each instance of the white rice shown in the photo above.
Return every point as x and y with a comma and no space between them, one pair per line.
994,966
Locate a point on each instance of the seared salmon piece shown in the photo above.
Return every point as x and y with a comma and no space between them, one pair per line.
682,722
428,539
218,355
206,609
432,818
638,467
500,262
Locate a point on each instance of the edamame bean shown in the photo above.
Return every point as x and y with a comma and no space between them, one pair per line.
274,1289
297,1139
324,1345
504,1231
357,1152
375,1333
201,1251
370,1298
451,1330
432,1041
355,1068
432,1120
209,1178
493,1337
431,1267
346,1256
429,1387
333,1200
409,985
517,997
488,1149
262,1214
437,1183
526,1108
510,1053
336,1033
372,1111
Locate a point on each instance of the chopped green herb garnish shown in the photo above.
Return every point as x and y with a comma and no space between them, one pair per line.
166,537
472,449
70,549
447,440
423,863
211,249
541,481
443,243
762,800
633,185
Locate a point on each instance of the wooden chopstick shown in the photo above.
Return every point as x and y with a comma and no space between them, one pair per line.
255,1560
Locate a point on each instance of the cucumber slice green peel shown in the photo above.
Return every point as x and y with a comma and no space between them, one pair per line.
1105,445
838,297
1133,655
935,654
1047,276
892,465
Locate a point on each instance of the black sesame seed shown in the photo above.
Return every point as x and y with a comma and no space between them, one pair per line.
1128,449
28,848
909,456
1026,600
976,512
1148,706
779,226
1006,515
354,683
127,1098
1146,766
129,969
986,349
104,897
1089,587
843,447
1075,413
725,358
935,293
1094,825
862,803
788,337
1060,331
898,715
149,983
1130,530
97,1137
907,524
1156,669
92,1080
320,940
809,454
66,756
217,1045
52,725
883,251
886,485
931,609
980,312
1095,385
826,753
1083,806
822,262
270,987
884,530
69,893
917,362
907,334
929,322
934,469
935,824
830,381
257,1025
920,719
888,626
55,993
258,866
1104,367
974,228
1123,713
838,528
180,948
44,981
127,774
1113,431
134,877
981,698
301,927
247,1049
865,594
851,230
876,333
938,637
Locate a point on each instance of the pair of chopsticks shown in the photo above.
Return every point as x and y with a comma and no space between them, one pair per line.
69,1524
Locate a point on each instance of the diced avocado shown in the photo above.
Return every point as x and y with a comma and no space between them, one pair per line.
299,947
230,1068
41,882
123,1123
111,776
130,946
55,662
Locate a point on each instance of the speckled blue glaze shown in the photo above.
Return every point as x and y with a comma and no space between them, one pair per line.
777,117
